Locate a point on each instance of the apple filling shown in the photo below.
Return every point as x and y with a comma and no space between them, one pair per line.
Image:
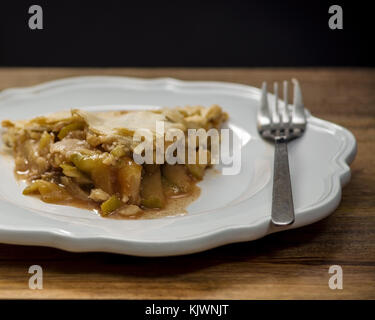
86,159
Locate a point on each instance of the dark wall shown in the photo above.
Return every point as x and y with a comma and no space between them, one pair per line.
186,33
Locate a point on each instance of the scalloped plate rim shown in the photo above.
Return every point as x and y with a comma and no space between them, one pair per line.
69,241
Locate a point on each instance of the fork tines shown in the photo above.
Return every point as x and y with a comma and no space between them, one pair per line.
284,120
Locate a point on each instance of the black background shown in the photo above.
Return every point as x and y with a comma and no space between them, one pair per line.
186,33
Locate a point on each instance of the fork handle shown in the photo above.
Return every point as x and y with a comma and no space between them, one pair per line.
282,199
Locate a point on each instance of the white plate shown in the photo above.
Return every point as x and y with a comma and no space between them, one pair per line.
230,208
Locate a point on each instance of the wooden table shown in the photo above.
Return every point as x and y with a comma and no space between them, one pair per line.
287,265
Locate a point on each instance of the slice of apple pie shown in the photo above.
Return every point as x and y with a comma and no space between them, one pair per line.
86,159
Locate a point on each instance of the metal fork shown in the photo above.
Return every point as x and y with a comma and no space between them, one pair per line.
280,125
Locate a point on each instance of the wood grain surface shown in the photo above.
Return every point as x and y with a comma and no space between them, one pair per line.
287,265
